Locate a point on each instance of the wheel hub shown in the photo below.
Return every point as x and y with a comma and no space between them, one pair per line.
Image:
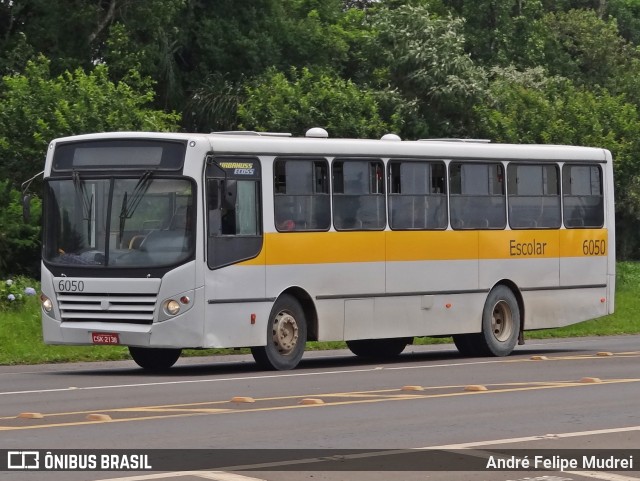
502,321
285,333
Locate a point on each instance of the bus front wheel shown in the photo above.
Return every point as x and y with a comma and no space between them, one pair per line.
286,336
154,358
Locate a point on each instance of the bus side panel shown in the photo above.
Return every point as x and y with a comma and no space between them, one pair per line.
433,265
339,280
331,316
338,265
563,307
584,256
407,253
231,324
426,315
233,294
528,258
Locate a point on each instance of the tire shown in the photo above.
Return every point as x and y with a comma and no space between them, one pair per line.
286,336
468,344
501,323
154,359
379,348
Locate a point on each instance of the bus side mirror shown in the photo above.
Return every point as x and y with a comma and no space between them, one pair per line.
26,198
26,208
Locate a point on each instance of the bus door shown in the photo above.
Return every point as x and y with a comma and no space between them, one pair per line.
234,229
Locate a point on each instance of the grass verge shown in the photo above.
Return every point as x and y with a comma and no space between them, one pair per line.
21,335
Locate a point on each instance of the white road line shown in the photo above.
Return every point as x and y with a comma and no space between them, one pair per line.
191,381
526,439
245,378
223,476
603,476
212,475
280,375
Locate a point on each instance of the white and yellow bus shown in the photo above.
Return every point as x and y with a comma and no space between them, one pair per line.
162,242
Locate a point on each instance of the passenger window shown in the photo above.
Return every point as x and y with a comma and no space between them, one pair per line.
582,199
534,196
233,210
233,207
301,195
477,195
417,195
358,195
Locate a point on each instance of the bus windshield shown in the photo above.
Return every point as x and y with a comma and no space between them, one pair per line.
141,221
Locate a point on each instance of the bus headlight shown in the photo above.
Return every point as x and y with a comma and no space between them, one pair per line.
47,305
172,307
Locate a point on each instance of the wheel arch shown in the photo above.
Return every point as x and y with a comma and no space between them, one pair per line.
309,309
513,287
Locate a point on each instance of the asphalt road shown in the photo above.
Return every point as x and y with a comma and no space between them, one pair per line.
562,400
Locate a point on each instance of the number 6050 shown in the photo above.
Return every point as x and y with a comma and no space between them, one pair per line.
594,247
67,285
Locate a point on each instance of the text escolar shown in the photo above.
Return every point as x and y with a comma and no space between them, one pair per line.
533,248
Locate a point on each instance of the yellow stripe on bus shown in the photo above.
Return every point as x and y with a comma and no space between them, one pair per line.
325,247
378,246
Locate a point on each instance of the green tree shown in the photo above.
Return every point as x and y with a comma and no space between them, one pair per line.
74,33
237,41
148,36
276,103
422,56
35,108
19,240
627,15
31,27
499,32
144,35
587,49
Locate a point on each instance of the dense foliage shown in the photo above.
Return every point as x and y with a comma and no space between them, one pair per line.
509,70
19,239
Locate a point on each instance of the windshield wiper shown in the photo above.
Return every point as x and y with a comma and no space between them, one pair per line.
87,202
128,208
138,193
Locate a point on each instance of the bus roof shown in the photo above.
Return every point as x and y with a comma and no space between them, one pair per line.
276,144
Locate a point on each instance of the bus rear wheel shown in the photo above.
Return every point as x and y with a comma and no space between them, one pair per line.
379,348
154,358
286,336
501,323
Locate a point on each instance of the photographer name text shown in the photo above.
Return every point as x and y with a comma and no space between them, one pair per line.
560,463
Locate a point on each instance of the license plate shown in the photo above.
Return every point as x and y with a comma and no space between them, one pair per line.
105,338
